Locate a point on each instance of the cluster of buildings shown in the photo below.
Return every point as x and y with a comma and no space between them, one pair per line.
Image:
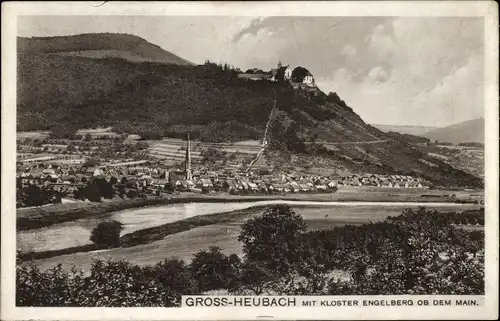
67,178
279,74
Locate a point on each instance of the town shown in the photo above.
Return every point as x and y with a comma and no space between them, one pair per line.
66,173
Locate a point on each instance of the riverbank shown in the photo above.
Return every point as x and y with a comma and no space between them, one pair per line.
149,235
34,218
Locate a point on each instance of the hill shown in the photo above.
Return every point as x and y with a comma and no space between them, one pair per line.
467,131
156,99
210,102
99,45
409,130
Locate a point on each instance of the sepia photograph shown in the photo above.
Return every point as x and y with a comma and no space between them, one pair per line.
263,156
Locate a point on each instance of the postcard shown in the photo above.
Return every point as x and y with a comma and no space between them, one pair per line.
249,160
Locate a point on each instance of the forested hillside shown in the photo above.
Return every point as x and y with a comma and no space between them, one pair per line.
84,92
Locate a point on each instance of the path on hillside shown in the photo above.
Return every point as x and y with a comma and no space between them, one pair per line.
354,143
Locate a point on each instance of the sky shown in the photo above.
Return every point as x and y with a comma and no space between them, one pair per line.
419,71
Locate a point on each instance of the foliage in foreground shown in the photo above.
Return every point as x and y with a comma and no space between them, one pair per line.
417,252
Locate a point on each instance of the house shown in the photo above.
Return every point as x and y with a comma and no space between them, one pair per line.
259,76
282,73
414,184
160,182
145,180
230,184
68,179
253,186
321,187
204,183
294,186
281,188
386,183
187,184
365,180
49,171
262,186
308,80
333,183
356,182
304,187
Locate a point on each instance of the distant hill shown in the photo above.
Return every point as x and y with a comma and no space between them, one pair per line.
99,45
410,130
467,131
70,92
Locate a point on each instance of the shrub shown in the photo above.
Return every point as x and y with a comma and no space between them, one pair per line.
418,252
52,288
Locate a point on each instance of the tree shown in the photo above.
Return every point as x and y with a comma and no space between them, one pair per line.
91,162
63,132
80,193
299,73
132,193
293,141
255,277
274,239
142,145
213,269
92,192
169,187
107,234
121,190
174,275
33,196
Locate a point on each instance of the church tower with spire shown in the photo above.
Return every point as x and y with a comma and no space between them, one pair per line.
189,174
280,64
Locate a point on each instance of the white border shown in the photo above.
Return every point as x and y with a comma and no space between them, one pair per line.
485,9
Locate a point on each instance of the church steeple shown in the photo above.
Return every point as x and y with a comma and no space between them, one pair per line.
280,64
189,175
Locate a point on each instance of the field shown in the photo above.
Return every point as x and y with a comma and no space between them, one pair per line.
174,150
467,158
32,135
184,244
97,132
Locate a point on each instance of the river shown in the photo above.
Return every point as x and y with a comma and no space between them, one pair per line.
69,234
